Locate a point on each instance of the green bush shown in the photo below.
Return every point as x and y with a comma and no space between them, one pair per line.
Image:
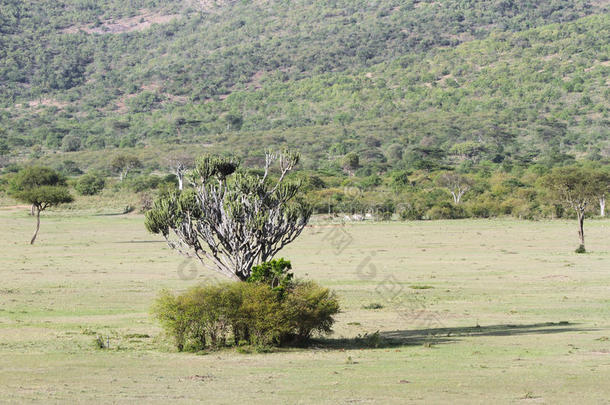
90,184
309,308
238,313
70,143
276,273
446,211
260,316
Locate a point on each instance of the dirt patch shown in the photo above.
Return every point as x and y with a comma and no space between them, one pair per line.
139,22
14,207
255,80
47,102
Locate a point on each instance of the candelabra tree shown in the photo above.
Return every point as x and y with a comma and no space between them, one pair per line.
231,219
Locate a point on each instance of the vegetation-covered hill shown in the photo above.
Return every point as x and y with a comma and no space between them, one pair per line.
397,82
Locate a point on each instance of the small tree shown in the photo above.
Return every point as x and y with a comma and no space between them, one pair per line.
576,188
42,188
124,163
229,219
456,183
180,163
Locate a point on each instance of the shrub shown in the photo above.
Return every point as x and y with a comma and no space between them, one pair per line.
260,317
481,210
90,184
241,313
70,143
446,211
309,308
142,183
171,312
69,168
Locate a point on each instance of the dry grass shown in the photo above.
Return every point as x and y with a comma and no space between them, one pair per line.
513,315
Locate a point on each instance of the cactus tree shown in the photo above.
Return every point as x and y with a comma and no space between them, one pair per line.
230,219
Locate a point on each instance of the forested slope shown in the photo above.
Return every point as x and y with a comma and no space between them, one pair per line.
400,83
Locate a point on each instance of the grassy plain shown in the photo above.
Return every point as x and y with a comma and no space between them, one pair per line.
472,311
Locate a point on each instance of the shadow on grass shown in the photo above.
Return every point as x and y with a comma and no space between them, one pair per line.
433,336
111,214
140,241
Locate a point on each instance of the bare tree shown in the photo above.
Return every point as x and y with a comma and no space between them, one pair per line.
602,179
230,219
180,163
456,183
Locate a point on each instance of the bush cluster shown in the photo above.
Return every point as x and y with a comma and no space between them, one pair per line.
90,184
253,313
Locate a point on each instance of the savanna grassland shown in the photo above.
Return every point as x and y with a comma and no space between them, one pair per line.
468,311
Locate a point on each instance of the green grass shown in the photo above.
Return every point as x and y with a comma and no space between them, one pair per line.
514,315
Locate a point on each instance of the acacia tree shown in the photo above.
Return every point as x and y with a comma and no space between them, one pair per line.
42,188
575,188
456,183
229,219
124,163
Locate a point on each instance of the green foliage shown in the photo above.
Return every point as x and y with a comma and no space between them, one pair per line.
70,143
142,183
43,196
90,184
69,168
40,187
275,273
499,81
309,309
35,176
123,163
4,149
245,313
574,186
351,161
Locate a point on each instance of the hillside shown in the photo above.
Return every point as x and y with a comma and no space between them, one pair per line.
493,80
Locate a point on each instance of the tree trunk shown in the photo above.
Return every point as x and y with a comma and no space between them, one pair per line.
37,226
581,231
32,210
602,206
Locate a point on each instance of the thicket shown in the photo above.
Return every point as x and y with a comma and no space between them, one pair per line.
253,313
